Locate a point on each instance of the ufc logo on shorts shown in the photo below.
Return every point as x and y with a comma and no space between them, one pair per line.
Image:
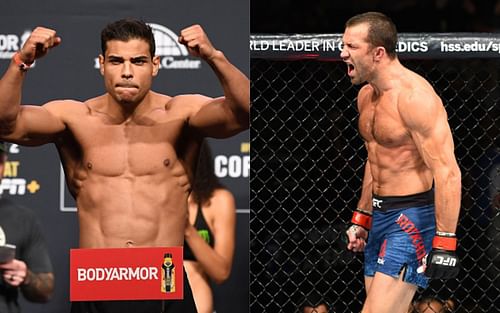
376,203
446,261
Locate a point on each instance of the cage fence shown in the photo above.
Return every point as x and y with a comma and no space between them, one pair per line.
307,163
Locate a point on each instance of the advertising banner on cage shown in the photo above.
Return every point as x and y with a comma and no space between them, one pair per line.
327,47
126,274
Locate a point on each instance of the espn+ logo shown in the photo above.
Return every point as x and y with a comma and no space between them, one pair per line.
11,183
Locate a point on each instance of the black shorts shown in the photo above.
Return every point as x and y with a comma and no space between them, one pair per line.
139,306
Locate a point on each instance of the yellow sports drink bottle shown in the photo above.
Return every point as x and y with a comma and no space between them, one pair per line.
168,274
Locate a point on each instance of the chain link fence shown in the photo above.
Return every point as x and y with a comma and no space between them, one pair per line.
306,169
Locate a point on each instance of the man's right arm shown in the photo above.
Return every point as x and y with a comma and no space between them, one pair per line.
365,200
26,124
11,91
357,233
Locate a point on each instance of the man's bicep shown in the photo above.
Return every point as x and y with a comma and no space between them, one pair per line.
215,119
36,125
436,144
425,118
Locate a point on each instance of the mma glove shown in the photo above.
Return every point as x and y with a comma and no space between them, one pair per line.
362,218
442,262
361,222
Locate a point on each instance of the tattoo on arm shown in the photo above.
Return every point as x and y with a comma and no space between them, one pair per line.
38,287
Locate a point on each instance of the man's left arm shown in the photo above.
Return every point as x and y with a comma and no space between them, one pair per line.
224,116
427,121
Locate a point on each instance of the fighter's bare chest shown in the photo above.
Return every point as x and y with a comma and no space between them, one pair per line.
138,149
380,121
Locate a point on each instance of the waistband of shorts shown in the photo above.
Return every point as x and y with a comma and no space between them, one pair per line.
385,203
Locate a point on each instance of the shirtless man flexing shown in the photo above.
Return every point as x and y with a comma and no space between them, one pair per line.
411,188
129,154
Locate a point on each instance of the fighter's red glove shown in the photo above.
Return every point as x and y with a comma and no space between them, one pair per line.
357,233
362,218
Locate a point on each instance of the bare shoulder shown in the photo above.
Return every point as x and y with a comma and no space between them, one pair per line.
67,104
364,95
191,103
223,193
223,200
418,103
64,108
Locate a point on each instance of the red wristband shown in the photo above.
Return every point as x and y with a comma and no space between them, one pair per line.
22,66
445,243
362,219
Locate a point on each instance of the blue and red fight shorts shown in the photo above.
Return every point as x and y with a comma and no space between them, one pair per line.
401,235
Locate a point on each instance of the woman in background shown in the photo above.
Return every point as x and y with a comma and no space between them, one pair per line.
210,233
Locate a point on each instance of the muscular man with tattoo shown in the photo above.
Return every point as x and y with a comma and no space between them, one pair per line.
129,154
31,270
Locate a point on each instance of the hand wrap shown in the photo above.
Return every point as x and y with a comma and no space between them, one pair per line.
362,218
361,224
22,65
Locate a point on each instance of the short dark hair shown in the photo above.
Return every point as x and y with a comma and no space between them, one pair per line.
381,30
126,29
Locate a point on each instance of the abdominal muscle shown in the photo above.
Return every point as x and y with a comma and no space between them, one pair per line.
398,171
149,210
